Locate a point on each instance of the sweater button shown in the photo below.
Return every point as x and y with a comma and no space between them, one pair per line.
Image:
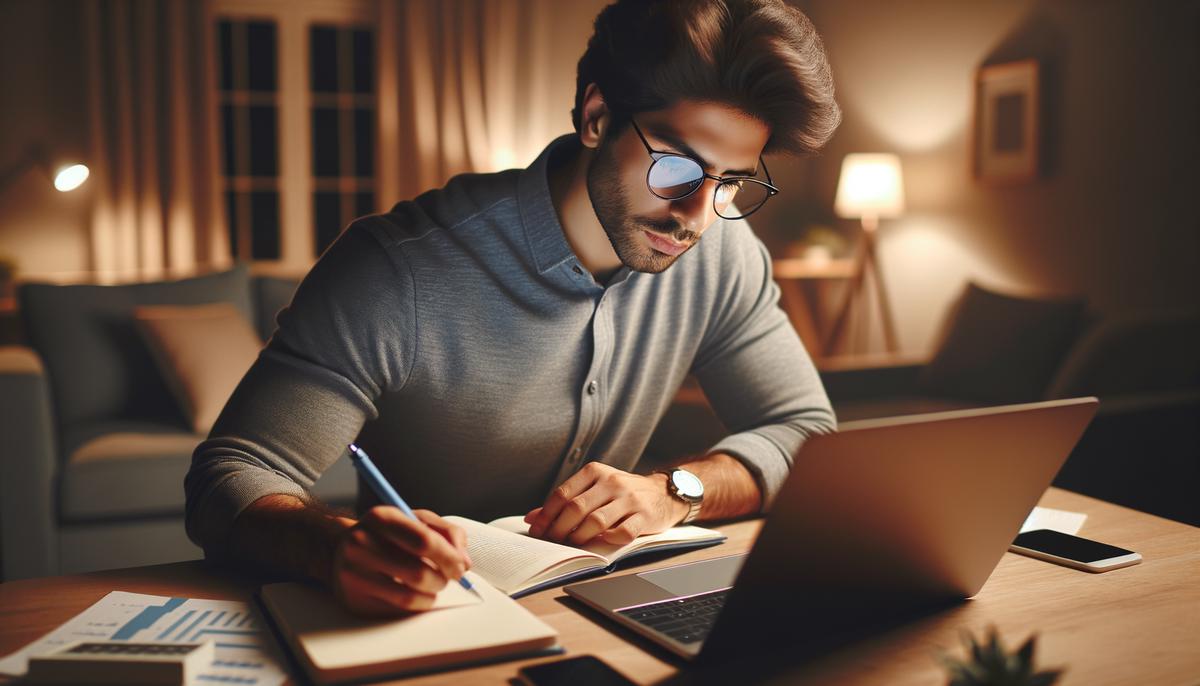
592,387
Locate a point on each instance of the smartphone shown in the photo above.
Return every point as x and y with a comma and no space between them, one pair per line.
584,670
1073,551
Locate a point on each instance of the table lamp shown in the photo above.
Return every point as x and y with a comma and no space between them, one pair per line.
870,187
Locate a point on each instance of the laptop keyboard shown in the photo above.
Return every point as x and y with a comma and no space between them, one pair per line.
687,620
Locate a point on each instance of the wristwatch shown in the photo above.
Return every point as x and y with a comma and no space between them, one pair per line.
686,486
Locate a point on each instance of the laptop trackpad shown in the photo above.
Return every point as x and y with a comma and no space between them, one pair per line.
696,577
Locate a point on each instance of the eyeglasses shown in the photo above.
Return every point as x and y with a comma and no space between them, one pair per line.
673,176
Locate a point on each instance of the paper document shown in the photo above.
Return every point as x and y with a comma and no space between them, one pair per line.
245,650
1055,520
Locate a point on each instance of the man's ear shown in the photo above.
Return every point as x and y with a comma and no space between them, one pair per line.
595,117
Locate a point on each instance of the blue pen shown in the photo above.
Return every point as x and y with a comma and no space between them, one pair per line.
371,474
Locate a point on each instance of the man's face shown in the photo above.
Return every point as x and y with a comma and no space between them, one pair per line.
647,232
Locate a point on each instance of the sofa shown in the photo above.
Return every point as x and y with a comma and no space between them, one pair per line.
1142,449
93,443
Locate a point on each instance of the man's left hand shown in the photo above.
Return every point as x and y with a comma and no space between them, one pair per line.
605,502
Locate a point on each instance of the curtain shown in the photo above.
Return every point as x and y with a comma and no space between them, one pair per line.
463,88
153,140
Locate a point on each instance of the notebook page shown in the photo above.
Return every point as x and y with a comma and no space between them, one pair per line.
507,559
610,552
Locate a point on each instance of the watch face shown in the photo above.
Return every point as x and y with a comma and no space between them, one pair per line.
688,484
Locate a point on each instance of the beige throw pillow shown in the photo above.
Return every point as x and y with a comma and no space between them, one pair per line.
202,351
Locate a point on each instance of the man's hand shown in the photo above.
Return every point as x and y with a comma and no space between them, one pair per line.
387,563
605,502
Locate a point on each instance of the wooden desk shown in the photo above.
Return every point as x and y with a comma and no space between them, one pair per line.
1139,625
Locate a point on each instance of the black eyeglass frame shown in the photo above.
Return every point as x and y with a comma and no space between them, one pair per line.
657,155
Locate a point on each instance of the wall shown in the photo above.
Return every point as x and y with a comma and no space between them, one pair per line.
42,101
1111,218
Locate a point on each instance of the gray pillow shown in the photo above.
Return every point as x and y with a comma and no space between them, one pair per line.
271,294
1133,352
1000,348
98,365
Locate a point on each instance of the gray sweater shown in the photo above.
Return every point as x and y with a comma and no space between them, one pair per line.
480,364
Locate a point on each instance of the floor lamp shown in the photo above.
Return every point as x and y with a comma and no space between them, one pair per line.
870,188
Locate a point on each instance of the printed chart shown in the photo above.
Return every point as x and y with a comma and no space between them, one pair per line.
245,652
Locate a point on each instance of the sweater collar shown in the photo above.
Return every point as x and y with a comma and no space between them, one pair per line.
547,241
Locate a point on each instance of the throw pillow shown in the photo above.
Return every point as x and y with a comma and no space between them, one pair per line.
1001,348
202,352
97,364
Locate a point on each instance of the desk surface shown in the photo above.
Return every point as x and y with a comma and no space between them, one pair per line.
1135,625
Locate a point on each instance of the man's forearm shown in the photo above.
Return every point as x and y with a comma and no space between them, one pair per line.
282,534
729,488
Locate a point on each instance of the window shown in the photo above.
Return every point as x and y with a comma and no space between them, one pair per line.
248,99
297,108
342,85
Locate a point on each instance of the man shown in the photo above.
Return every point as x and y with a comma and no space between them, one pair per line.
508,343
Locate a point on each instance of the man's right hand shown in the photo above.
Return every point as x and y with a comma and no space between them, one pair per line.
387,563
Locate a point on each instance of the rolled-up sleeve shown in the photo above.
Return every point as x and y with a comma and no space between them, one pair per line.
761,381
339,344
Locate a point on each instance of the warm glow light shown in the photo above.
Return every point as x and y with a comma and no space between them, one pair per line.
71,177
870,186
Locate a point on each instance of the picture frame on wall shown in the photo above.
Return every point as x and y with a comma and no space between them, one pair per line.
1007,113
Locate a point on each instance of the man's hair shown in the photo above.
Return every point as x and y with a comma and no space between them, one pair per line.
760,56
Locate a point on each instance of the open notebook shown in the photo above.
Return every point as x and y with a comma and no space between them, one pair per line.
463,628
514,562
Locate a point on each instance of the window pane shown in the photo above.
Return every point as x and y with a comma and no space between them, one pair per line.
225,53
364,142
364,63
227,137
247,52
364,204
264,214
327,214
261,55
325,141
323,58
231,220
263,149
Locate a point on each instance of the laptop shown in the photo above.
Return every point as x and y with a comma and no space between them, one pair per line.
882,522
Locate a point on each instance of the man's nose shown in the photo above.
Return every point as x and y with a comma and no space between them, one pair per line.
696,212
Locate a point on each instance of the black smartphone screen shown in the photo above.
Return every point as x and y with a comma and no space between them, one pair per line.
1070,547
575,671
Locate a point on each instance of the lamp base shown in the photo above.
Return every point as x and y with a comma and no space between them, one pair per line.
867,266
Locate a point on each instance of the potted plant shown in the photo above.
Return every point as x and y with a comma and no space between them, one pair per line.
990,664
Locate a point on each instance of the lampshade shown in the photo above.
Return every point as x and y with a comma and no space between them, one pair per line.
70,177
871,185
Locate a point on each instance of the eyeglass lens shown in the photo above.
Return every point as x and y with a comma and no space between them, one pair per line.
673,176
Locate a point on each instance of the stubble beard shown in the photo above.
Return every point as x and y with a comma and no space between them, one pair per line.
623,231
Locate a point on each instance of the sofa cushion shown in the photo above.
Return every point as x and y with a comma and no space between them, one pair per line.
271,294
202,351
1000,348
1133,353
99,368
128,475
